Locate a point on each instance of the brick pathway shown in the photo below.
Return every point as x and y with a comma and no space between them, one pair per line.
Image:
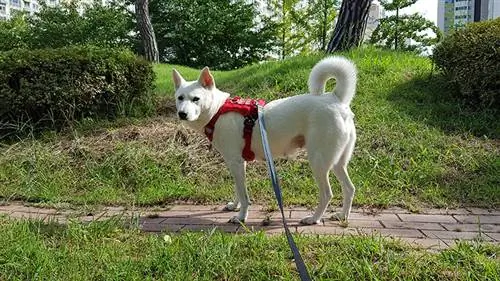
431,228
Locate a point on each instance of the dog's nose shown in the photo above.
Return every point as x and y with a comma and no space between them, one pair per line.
183,115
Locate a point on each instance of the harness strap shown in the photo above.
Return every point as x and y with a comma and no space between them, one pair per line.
248,109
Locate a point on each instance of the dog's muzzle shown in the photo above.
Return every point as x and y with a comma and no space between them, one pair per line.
182,115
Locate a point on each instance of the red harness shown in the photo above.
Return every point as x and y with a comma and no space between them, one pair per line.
247,108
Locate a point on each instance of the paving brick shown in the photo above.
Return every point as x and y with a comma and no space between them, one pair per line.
495,236
157,227
146,220
393,232
494,219
214,214
179,214
206,228
356,223
32,216
294,214
194,221
331,230
29,209
480,211
271,222
444,211
10,207
394,210
427,218
471,227
276,230
263,215
382,217
196,207
464,235
413,225
427,243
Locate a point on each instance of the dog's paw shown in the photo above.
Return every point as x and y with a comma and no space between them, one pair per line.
309,221
236,220
231,207
340,216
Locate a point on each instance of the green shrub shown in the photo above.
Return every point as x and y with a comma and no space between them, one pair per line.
48,88
470,58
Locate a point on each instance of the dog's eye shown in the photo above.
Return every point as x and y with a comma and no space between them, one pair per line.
180,98
195,99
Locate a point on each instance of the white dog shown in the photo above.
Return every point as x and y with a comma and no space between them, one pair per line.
322,123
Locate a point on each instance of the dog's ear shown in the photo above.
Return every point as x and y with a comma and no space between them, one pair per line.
206,79
178,80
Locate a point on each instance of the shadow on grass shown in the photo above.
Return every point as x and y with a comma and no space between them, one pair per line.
474,181
430,99
476,187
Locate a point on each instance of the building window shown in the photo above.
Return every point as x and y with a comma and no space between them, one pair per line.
2,9
15,3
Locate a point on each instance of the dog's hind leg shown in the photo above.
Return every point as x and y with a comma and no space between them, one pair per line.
320,165
237,169
340,171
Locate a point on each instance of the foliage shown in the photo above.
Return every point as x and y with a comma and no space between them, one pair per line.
407,32
13,32
70,23
51,87
302,27
222,34
470,59
323,13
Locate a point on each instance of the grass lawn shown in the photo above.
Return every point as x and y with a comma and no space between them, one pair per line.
417,146
31,250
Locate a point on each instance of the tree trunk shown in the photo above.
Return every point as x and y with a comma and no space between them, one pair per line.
146,31
324,25
351,25
396,30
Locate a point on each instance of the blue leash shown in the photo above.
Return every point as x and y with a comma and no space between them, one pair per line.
304,275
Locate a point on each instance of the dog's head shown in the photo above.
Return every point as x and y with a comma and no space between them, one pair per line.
193,97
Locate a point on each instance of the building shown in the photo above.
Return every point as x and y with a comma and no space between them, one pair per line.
10,7
456,13
375,13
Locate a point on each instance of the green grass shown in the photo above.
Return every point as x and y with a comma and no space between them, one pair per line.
417,146
31,250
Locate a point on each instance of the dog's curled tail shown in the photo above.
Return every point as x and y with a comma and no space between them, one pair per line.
340,68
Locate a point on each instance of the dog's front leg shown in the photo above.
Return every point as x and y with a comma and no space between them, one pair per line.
237,169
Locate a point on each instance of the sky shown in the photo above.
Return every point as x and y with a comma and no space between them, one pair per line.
426,8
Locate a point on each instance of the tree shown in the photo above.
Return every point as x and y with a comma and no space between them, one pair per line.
351,24
223,34
289,32
303,26
146,31
13,32
74,23
323,13
407,32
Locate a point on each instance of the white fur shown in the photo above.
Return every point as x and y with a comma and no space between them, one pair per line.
322,123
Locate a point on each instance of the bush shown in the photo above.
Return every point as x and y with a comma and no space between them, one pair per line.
54,87
470,58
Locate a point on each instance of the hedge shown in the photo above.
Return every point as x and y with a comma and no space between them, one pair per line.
470,58
49,88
